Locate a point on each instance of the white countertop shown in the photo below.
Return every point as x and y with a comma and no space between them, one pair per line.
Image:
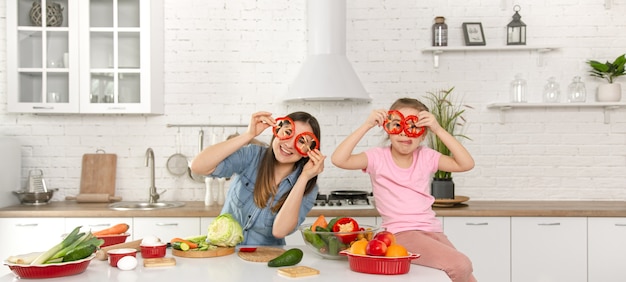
233,268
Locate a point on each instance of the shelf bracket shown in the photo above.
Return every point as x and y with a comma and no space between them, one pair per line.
607,113
503,109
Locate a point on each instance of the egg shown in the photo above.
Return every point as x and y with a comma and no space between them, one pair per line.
127,263
150,241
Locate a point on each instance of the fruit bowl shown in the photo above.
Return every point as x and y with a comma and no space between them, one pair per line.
50,270
113,239
329,244
379,264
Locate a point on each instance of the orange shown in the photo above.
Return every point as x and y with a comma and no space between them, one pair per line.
396,250
358,247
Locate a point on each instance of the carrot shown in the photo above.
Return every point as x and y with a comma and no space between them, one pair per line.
320,221
113,230
192,245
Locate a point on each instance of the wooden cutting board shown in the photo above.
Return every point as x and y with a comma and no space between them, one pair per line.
98,173
157,262
261,254
220,251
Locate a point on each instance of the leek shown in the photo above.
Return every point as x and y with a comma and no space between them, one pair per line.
69,239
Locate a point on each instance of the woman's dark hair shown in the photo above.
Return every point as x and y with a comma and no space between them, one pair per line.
265,186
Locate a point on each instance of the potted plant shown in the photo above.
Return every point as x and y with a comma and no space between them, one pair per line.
611,91
449,115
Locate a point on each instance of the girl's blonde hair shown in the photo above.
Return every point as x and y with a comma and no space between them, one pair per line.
408,103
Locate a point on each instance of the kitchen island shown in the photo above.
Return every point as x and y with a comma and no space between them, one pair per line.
233,268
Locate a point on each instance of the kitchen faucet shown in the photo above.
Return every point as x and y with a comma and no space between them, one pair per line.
153,195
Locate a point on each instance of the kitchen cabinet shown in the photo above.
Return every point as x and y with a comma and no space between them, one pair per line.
165,228
607,249
106,56
548,249
97,223
25,235
486,241
296,237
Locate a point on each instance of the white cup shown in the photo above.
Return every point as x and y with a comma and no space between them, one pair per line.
53,97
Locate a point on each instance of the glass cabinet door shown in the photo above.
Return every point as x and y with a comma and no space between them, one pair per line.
40,73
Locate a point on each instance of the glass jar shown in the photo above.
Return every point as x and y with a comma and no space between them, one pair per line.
440,32
576,91
518,89
552,91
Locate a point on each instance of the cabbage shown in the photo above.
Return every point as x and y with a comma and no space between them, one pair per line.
225,231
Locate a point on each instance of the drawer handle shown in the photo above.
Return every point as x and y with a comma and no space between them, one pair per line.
100,225
620,224
27,224
476,223
549,224
167,224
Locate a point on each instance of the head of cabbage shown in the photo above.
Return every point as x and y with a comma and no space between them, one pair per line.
224,231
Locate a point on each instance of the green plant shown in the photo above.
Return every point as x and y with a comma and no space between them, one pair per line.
608,71
449,115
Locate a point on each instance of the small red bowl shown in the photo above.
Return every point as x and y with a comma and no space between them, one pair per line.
157,251
116,254
113,239
50,270
379,265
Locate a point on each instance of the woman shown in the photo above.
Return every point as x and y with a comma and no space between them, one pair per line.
274,187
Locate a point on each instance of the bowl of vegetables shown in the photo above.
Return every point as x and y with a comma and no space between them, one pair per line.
328,240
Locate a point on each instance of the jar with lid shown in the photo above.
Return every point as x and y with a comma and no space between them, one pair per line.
440,32
576,91
518,89
551,91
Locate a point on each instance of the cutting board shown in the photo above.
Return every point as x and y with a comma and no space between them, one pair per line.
157,262
98,173
220,251
261,254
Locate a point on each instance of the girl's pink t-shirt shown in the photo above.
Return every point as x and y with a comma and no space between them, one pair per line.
402,195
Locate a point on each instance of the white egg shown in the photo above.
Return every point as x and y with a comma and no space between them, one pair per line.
150,240
127,263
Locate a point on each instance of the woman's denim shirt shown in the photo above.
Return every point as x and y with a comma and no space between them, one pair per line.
242,167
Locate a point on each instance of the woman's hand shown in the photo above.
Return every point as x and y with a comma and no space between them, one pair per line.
315,165
259,122
376,118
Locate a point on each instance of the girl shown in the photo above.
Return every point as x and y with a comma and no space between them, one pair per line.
274,187
400,176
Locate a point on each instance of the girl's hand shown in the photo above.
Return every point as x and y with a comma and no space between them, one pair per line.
427,119
376,118
315,165
259,122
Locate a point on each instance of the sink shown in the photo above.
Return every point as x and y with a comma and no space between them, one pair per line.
144,206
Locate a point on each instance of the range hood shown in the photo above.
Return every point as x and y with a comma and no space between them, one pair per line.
326,75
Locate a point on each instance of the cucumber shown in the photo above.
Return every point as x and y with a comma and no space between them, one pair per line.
181,246
79,253
315,240
288,258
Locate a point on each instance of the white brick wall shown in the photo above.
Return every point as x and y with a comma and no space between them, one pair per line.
227,59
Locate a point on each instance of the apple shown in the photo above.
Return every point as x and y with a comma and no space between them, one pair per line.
376,247
386,237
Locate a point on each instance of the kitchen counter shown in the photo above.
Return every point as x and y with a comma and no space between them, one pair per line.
233,268
471,208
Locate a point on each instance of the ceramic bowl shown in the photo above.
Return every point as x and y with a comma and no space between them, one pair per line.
379,264
116,254
153,251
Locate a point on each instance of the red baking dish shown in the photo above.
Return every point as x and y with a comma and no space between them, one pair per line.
157,251
50,270
113,239
378,264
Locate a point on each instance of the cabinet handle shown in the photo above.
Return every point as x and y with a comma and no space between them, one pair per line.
116,108
27,225
620,224
549,224
476,223
167,224
42,108
100,225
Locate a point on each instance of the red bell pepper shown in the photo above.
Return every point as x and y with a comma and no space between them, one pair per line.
410,127
284,128
346,224
393,124
306,142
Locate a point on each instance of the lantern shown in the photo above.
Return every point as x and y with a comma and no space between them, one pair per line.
516,29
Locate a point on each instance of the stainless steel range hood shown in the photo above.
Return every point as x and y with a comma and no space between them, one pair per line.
326,75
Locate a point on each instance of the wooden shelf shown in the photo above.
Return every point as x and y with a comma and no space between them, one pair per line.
436,51
606,106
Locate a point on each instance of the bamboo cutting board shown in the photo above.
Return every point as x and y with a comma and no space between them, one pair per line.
98,173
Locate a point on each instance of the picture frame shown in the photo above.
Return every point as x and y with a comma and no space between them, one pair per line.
474,35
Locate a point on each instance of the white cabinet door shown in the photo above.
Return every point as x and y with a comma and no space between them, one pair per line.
94,224
607,249
296,237
486,241
548,249
25,235
165,228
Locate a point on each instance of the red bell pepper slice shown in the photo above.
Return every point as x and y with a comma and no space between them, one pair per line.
346,224
393,123
284,128
306,142
410,127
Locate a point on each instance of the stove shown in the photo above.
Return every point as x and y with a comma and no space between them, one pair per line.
343,199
